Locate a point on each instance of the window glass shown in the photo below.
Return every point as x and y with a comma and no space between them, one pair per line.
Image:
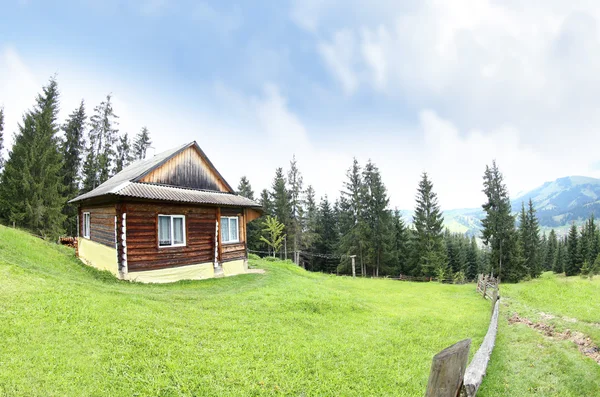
233,229
86,225
178,230
164,230
225,230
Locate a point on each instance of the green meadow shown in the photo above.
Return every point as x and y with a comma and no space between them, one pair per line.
69,330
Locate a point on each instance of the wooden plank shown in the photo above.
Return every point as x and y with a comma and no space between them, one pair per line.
219,227
477,368
447,370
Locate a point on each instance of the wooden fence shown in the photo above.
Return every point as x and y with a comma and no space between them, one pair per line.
450,376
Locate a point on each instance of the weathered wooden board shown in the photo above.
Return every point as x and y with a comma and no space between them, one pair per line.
102,224
187,169
447,370
478,366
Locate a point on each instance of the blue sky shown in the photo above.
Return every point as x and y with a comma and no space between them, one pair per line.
436,86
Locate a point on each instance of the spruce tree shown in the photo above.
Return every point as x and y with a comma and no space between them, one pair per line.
472,260
103,128
400,245
498,228
141,144
31,192
1,138
377,217
124,157
310,235
551,252
266,202
428,223
244,189
281,199
353,229
72,148
295,183
325,244
574,260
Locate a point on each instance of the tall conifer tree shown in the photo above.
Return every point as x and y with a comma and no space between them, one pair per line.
428,222
574,260
72,148
141,144
31,192
253,229
124,157
499,228
295,183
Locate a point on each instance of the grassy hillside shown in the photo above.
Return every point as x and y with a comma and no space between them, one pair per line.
68,330
527,362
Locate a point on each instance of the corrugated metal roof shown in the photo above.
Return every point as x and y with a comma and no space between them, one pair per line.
130,172
124,184
182,195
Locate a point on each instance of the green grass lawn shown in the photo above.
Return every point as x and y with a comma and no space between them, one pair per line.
526,363
68,330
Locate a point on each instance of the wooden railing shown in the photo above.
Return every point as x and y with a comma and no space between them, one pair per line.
450,376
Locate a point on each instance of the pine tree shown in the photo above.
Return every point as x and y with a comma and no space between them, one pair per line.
377,217
281,200
574,260
31,192
400,245
141,144
98,165
310,235
472,260
124,157
266,202
295,190
252,228
551,252
559,261
352,224
428,223
72,149
1,138
245,189
104,134
498,228
326,242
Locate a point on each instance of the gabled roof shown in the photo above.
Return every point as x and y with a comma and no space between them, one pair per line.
126,183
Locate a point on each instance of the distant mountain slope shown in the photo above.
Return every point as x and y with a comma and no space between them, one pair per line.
558,203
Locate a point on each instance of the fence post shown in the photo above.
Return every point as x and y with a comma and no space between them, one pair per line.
448,369
484,285
353,266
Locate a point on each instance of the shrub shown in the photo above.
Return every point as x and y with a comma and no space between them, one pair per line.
253,256
459,277
270,259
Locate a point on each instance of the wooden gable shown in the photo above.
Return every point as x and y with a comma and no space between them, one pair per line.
190,169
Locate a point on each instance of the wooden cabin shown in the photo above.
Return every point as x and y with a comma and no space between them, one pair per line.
171,217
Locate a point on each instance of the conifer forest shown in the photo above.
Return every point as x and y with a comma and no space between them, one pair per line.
52,161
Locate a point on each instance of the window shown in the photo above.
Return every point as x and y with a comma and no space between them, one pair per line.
86,225
229,229
171,230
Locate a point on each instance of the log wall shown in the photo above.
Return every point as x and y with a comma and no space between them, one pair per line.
143,252
235,251
102,224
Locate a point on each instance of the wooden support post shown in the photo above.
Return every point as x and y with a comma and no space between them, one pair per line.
448,369
353,265
484,286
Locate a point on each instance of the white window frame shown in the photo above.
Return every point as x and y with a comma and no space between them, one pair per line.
172,231
87,224
237,219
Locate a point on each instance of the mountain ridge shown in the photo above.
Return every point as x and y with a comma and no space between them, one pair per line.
558,203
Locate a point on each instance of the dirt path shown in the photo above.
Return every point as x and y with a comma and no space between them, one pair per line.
583,342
